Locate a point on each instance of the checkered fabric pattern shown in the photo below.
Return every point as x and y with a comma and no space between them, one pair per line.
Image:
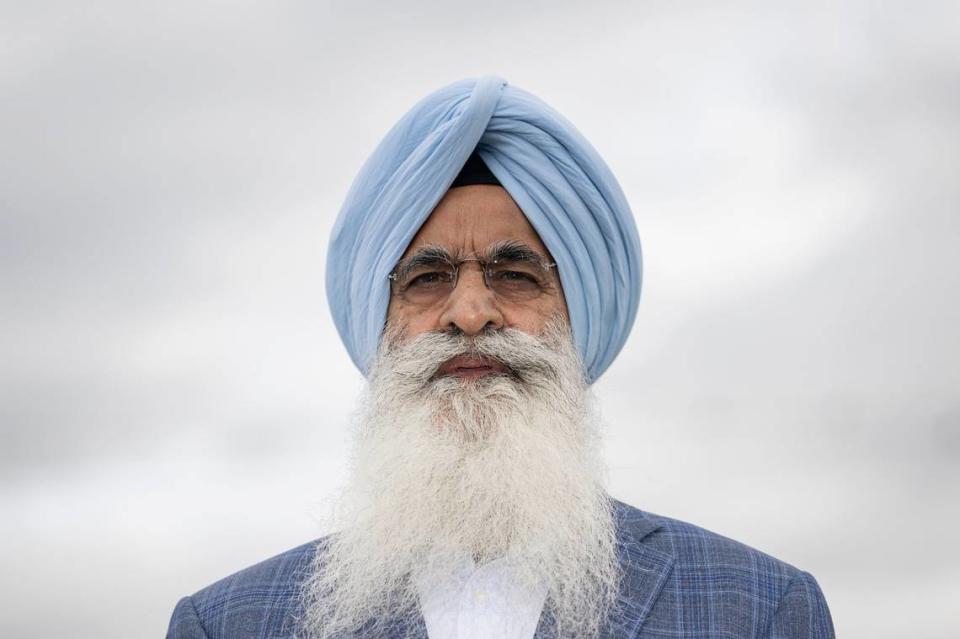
679,582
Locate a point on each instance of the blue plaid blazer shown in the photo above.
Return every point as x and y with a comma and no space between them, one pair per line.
679,582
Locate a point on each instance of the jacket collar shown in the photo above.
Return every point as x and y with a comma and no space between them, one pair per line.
644,571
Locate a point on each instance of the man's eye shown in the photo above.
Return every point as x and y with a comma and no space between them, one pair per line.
516,279
427,280
517,276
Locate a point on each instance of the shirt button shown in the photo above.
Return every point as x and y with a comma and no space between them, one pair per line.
480,596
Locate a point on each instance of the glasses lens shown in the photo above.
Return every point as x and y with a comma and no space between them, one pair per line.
517,280
426,283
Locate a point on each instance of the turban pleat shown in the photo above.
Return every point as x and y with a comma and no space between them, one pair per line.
557,179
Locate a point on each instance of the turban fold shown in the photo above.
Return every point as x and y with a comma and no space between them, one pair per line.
558,180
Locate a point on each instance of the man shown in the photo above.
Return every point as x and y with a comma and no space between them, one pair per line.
484,270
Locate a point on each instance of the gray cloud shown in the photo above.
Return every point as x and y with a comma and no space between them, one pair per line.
169,175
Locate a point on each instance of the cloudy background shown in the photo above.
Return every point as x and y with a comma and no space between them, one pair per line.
175,400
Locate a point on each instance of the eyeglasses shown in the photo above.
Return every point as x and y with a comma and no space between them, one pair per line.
515,273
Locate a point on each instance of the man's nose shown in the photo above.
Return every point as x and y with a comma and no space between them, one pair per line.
471,307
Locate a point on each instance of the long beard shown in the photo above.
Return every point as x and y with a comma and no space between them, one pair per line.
503,467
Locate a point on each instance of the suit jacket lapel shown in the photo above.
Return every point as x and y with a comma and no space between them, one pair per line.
412,627
397,626
644,570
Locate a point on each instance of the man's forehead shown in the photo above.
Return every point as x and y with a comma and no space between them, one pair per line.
469,220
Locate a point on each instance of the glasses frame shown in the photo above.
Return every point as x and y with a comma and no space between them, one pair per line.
486,267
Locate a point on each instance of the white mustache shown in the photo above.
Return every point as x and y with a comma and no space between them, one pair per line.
530,358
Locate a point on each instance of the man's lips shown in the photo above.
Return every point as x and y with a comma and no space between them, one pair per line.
472,366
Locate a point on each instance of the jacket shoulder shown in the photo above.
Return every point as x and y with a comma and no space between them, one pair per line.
698,549
257,602
748,592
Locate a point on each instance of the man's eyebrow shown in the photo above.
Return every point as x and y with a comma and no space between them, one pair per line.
425,256
505,251
514,251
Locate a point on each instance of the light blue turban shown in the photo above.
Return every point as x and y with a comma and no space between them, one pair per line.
557,179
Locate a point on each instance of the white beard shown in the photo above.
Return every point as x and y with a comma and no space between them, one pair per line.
499,467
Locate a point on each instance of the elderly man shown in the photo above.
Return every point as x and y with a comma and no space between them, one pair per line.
484,270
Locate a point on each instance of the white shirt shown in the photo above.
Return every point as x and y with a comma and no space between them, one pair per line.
486,602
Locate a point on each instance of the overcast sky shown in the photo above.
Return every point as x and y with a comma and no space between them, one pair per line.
175,401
